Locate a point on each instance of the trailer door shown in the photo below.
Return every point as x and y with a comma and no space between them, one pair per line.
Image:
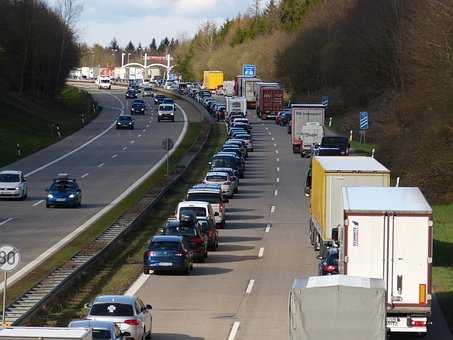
408,260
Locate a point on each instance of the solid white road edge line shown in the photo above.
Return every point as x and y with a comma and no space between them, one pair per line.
234,330
268,228
136,285
78,148
68,238
38,203
261,253
272,209
6,221
250,286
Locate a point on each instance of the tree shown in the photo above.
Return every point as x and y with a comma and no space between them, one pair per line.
114,44
153,46
130,48
163,46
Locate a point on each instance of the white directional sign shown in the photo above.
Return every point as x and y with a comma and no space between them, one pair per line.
9,258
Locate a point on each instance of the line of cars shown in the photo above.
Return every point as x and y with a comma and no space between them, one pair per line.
192,232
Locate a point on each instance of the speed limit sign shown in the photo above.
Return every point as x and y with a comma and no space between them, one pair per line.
9,258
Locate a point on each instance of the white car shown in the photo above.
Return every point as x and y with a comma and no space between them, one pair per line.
200,209
128,312
13,184
226,182
166,111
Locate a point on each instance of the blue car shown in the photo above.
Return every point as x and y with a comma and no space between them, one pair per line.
138,107
168,253
64,192
125,122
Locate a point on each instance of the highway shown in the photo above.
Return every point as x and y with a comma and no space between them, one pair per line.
105,162
241,292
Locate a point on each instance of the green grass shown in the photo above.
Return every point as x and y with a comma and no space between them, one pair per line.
32,122
121,269
443,259
362,148
105,221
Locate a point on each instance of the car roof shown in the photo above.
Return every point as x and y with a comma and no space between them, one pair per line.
221,169
124,299
10,172
184,204
167,238
217,173
230,154
98,324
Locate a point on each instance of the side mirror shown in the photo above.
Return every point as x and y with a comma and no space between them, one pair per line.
149,307
87,305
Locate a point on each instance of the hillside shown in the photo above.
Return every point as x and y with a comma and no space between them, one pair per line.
397,68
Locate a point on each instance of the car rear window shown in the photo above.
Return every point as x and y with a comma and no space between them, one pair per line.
111,309
101,334
334,141
181,230
217,178
198,211
204,197
164,245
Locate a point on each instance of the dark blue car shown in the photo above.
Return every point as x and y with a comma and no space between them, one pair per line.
168,253
131,94
64,192
125,122
138,107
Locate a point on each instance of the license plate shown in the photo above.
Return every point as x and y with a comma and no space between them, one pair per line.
61,199
165,264
392,321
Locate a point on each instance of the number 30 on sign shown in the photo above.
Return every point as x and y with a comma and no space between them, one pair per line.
9,258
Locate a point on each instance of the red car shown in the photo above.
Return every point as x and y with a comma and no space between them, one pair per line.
278,117
210,230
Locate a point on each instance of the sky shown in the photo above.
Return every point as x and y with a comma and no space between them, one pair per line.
141,20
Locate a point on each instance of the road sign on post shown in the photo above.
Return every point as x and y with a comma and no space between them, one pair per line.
9,260
168,144
363,126
249,70
325,100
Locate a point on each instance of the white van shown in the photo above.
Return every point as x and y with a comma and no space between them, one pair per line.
166,111
200,209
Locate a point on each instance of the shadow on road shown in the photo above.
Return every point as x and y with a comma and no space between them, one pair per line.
245,225
230,239
244,217
220,258
202,270
234,247
168,336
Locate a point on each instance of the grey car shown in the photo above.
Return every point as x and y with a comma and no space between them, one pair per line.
102,330
128,312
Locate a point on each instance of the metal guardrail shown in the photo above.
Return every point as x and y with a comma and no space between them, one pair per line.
64,276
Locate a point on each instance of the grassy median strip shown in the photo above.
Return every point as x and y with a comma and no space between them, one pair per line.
443,259
105,221
32,123
123,267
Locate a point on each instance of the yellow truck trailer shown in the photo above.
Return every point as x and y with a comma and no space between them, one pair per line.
329,175
212,80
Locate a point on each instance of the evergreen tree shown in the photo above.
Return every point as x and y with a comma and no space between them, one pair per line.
130,48
153,46
114,44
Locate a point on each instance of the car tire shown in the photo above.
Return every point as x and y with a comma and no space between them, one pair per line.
158,119
145,271
47,205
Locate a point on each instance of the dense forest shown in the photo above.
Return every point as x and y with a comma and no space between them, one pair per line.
392,58
38,48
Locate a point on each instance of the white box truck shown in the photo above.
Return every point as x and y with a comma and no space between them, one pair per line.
311,135
301,115
228,88
337,307
249,91
388,234
329,174
45,333
236,104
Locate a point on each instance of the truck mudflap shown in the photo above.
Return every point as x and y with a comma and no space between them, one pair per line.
407,324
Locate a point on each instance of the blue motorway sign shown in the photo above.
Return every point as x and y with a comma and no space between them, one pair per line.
363,120
325,100
249,70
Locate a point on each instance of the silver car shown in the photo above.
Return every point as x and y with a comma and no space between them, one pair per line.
13,184
226,182
128,312
102,330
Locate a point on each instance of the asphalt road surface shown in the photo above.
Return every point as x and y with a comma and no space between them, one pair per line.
241,292
106,161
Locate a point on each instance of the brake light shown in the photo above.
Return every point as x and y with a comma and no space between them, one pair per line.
330,268
422,294
198,240
181,253
151,253
418,323
132,322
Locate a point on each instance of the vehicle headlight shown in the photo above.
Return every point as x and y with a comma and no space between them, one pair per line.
71,196
143,109
17,188
130,123
49,196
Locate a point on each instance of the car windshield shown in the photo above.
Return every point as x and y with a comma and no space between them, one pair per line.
9,178
101,334
334,141
166,108
181,230
111,309
139,102
198,211
125,118
148,89
244,137
216,178
164,245
204,197
105,81
63,186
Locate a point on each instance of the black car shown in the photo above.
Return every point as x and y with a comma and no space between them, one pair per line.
159,99
131,94
138,107
333,146
228,160
285,119
329,265
125,122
